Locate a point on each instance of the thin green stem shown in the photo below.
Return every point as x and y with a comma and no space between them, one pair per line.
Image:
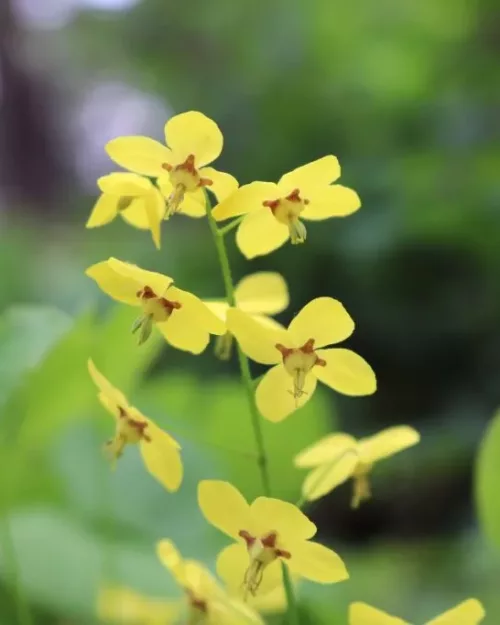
292,617
230,226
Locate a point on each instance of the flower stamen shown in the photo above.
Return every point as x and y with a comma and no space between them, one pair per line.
298,362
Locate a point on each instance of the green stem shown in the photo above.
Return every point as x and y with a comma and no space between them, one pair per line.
230,226
292,617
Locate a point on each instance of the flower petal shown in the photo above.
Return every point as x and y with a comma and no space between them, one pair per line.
469,612
193,204
318,173
316,563
363,614
124,606
124,183
115,396
193,133
265,292
139,154
135,214
197,311
323,479
183,335
257,341
334,201
232,564
328,448
346,372
246,199
387,443
162,458
171,560
104,211
274,396
154,206
224,507
325,319
218,307
260,233
233,612
282,517
223,184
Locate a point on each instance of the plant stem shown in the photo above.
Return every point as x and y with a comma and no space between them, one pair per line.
230,226
292,617
13,572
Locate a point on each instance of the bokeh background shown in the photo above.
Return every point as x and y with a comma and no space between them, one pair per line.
406,95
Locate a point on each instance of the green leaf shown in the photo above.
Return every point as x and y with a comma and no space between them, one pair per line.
486,482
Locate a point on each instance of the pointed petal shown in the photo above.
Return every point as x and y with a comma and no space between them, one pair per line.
246,199
346,372
325,320
363,614
162,457
121,605
115,396
104,211
154,206
264,292
124,183
223,184
274,396
193,133
316,563
469,612
323,479
335,201
328,448
135,214
257,341
387,443
260,233
224,507
141,155
285,518
232,564
171,559
308,177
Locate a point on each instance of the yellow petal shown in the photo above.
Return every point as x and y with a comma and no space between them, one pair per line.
387,443
246,199
264,292
171,560
308,177
124,183
104,211
219,308
154,206
193,133
469,612
126,607
161,457
325,320
141,155
135,214
334,201
274,394
232,612
346,372
104,385
232,564
260,233
269,323
224,507
282,517
257,341
184,336
323,479
223,184
316,563
193,204
363,614
325,450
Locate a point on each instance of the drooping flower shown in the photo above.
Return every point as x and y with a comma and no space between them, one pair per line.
273,212
123,606
193,142
207,602
133,197
160,452
469,612
267,533
260,294
339,457
298,358
182,318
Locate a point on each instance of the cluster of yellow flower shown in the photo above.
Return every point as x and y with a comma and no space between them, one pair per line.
268,533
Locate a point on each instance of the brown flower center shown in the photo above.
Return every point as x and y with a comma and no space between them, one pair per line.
287,211
129,431
185,178
263,551
298,362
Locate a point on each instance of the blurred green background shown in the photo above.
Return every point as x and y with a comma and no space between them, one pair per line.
406,95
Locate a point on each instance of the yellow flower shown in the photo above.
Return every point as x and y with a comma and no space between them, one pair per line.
289,384
268,532
160,452
193,141
183,319
260,295
469,612
135,198
338,457
207,602
123,606
273,212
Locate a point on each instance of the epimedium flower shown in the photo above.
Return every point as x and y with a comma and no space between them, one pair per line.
298,358
267,532
133,197
338,457
182,318
124,606
273,212
193,141
260,294
469,612
160,452
206,601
